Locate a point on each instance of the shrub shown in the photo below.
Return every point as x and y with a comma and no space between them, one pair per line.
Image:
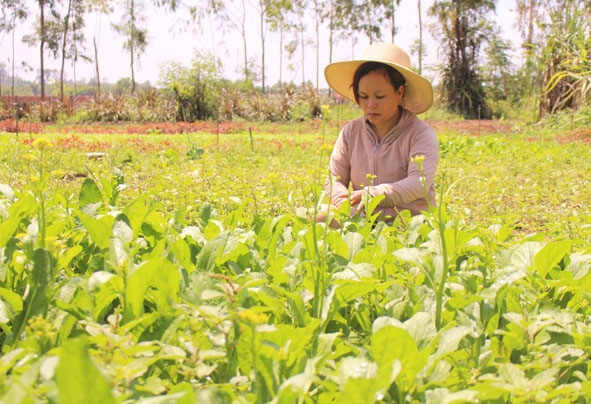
196,89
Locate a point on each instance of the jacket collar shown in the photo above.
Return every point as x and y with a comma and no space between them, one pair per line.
395,131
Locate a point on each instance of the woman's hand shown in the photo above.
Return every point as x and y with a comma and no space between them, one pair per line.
359,198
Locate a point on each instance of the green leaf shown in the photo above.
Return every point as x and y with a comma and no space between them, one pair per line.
122,228
208,256
355,242
444,396
513,376
523,255
67,255
36,303
159,275
136,212
7,229
90,193
205,214
77,377
118,253
449,340
20,386
99,230
295,387
356,374
346,292
181,251
7,191
11,304
390,344
550,256
338,246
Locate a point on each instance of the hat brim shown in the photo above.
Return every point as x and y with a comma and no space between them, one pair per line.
418,94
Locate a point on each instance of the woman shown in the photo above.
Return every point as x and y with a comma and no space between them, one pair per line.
377,153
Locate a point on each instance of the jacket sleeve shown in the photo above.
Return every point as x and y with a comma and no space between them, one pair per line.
337,185
425,146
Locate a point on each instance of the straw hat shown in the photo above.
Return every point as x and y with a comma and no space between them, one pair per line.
418,95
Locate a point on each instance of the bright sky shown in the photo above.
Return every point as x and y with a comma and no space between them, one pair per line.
171,40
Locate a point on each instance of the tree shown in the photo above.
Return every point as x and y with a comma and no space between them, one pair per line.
69,27
40,37
102,7
265,9
421,45
195,89
279,22
463,30
336,14
300,39
136,37
317,23
555,36
391,15
12,11
498,74
529,13
227,13
566,75
368,16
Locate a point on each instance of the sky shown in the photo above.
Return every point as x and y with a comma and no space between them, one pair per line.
171,39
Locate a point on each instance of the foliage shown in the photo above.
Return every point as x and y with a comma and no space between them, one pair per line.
196,89
568,77
136,36
463,30
184,268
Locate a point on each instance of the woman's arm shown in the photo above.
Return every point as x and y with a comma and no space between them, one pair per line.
337,185
424,145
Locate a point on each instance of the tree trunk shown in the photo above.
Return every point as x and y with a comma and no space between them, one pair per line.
244,42
330,38
64,42
41,46
12,83
420,38
262,22
302,44
393,20
281,55
131,45
96,67
317,51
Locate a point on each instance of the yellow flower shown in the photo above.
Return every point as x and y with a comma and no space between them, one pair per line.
42,143
30,157
255,318
325,148
58,173
419,159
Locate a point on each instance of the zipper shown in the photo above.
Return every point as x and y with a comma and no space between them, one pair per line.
374,165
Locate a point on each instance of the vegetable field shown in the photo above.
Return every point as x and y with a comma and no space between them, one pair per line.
183,268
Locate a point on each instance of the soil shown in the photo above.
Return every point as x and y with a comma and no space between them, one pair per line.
488,127
474,127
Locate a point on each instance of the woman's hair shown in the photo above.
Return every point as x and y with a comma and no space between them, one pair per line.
396,79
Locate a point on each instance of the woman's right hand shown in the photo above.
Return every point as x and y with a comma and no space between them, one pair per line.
359,198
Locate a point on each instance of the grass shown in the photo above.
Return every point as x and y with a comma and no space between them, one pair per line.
113,265
526,180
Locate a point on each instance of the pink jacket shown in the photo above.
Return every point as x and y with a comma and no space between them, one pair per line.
359,152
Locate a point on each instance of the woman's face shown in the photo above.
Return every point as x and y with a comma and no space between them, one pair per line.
379,100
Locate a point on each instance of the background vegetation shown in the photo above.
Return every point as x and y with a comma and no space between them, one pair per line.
477,77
